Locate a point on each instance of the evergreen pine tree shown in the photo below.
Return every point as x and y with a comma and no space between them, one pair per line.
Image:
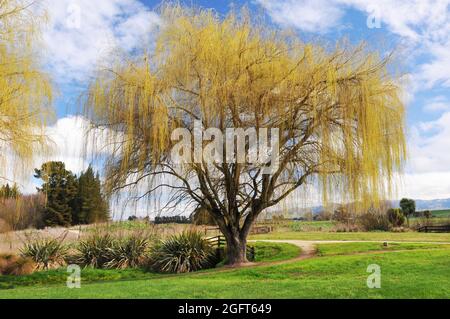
90,206
60,188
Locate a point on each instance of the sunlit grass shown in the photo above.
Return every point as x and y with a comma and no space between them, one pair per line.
410,274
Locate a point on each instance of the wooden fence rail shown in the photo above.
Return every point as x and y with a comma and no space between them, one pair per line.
219,243
254,231
434,229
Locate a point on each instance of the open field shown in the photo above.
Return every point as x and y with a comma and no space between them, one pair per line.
415,273
322,230
317,263
332,249
367,236
265,252
444,213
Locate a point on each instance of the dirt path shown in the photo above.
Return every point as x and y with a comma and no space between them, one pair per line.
309,247
308,251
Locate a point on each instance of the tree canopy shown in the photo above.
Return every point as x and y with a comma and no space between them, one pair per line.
408,207
25,90
338,111
60,188
71,200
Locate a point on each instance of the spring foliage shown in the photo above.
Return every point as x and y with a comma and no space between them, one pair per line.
25,90
339,109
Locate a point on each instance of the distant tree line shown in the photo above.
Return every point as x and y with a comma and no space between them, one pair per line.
382,217
9,192
198,217
172,220
71,200
18,211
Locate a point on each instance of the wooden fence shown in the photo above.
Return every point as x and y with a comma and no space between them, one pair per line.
254,231
219,243
434,229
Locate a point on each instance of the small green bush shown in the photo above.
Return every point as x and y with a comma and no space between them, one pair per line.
108,252
182,253
396,217
127,253
95,251
374,221
46,253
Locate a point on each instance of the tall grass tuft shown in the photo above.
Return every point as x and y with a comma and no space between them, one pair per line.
94,251
46,253
182,253
106,251
129,252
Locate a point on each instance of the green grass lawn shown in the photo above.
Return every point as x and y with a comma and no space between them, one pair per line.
369,236
268,252
55,277
445,213
311,226
265,252
409,274
350,248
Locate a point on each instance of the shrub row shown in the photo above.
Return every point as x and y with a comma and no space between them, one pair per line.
185,252
172,220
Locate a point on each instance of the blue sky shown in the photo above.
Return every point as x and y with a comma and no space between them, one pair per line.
82,33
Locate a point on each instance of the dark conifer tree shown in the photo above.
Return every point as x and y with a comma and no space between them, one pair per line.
60,189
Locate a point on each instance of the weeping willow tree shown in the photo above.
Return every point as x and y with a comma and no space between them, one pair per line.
25,90
338,113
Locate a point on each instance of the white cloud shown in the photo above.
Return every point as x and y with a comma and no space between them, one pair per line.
430,145
410,19
439,103
436,71
310,16
68,144
423,26
81,33
432,185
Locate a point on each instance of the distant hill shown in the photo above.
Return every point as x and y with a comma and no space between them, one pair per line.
433,204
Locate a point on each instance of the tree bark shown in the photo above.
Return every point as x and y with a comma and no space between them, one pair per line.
236,238
235,232
236,249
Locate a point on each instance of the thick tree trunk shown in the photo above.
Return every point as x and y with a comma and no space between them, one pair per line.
235,234
236,249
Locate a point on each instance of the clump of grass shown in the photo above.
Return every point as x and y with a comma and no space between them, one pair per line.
109,252
94,252
13,265
46,253
182,253
128,253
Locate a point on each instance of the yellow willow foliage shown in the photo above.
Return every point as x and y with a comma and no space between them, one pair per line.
340,106
25,91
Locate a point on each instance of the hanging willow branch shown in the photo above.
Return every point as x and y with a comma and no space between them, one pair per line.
338,111
25,90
